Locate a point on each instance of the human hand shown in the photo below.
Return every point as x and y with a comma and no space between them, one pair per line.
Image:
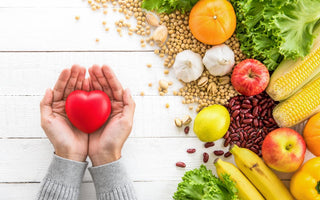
105,144
68,141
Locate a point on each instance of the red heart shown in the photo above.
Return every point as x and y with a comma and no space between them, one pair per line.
88,111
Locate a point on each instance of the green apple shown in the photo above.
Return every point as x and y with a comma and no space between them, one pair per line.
211,123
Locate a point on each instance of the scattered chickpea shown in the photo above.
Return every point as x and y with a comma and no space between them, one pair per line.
105,12
149,65
77,17
106,29
166,71
150,84
104,22
141,93
97,40
167,105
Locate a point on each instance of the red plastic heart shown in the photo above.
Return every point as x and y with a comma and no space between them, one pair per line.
88,111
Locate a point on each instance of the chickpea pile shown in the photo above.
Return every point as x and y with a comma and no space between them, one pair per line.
212,90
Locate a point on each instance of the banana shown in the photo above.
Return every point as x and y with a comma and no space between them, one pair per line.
259,174
246,190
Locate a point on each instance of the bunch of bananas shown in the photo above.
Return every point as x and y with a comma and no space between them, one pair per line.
255,181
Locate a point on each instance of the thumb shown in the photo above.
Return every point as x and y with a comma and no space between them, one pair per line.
46,105
129,104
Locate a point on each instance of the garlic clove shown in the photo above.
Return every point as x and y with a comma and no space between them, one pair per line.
188,66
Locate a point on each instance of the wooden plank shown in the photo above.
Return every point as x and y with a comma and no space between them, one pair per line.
55,29
32,73
155,190
20,117
146,159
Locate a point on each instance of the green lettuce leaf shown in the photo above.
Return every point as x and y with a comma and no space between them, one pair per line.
273,30
168,6
200,184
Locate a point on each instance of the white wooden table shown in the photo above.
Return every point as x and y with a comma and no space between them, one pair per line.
39,38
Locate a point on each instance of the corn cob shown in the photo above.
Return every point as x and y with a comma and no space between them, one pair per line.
291,75
300,106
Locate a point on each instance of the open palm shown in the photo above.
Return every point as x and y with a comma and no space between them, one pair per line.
68,141
105,144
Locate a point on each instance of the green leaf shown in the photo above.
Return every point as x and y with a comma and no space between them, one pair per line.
200,184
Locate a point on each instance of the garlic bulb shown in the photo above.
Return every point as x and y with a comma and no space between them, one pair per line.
219,60
188,66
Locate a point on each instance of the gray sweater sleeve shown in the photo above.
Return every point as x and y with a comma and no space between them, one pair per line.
63,179
111,182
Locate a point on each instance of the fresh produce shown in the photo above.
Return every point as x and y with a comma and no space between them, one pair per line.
188,66
219,60
211,123
200,184
212,21
272,30
165,6
300,106
305,183
291,75
88,111
246,191
311,134
250,77
283,150
160,35
251,121
259,174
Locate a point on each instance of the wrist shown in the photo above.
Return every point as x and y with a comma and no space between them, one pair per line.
104,158
71,156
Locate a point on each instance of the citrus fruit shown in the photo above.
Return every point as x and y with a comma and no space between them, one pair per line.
211,123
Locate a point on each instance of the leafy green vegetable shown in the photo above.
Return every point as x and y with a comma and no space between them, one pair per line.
168,6
271,31
200,184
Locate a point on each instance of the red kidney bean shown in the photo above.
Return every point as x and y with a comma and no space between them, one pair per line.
255,111
256,122
226,135
243,144
227,154
205,157
238,123
235,113
250,130
235,138
186,129
218,152
231,129
264,112
246,128
226,143
263,102
234,126
241,136
259,96
246,101
243,125
209,144
247,121
191,150
246,106
269,113
235,107
231,103
265,121
238,143
249,115
181,164
254,150
271,120
264,106
248,145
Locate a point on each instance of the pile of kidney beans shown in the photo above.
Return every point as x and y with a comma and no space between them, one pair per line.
251,121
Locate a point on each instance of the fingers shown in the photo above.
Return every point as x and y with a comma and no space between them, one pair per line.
59,88
97,72
114,83
72,82
86,85
94,81
46,106
81,78
129,105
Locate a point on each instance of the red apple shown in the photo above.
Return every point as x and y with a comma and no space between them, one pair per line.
250,77
283,149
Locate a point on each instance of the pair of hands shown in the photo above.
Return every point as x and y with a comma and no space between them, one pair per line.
104,145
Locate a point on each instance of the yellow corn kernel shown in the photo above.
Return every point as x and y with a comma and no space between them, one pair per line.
300,106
